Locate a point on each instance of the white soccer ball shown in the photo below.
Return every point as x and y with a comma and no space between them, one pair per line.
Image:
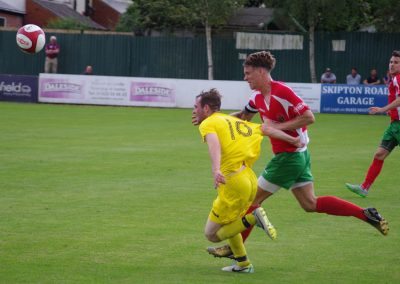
31,38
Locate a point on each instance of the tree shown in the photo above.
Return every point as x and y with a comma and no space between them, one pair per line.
67,24
385,15
168,15
213,13
143,16
326,15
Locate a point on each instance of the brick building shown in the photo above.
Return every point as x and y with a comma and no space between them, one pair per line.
10,16
41,12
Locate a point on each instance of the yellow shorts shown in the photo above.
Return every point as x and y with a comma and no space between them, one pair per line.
234,197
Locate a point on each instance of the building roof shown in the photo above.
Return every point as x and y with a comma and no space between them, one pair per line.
258,18
9,8
65,12
119,5
251,17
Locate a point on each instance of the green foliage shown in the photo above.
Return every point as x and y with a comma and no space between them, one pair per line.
120,195
327,15
323,15
143,15
169,15
215,12
341,15
386,15
67,24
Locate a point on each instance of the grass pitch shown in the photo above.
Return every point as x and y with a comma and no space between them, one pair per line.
120,195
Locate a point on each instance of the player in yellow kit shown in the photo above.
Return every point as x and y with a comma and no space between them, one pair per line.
234,145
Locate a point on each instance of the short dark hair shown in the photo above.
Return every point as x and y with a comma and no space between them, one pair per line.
212,98
396,53
262,59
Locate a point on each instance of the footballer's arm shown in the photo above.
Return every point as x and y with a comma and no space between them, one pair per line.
214,149
271,131
244,114
298,122
392,105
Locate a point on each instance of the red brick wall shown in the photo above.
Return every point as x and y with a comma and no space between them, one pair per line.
104,15
12,20
36,14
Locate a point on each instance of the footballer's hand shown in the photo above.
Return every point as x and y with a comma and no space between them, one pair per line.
375,110
297,142
218,179
194,120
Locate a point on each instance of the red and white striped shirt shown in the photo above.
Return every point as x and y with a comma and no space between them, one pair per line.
284,105
394,93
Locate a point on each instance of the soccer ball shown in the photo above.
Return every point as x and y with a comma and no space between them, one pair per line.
31,38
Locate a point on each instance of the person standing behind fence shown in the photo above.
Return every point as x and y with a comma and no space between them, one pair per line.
52,51
88,70
373,78
328,77
353,78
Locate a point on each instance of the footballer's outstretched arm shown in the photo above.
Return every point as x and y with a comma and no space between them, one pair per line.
392,105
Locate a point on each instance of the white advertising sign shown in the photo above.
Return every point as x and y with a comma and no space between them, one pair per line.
152,92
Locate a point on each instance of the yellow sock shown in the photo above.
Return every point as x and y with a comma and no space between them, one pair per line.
237,226
238,249
251,219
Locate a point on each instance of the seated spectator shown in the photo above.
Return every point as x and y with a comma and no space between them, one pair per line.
328,77
353,78
387,78
373,78
88,70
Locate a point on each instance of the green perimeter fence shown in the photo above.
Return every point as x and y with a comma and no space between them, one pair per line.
177,57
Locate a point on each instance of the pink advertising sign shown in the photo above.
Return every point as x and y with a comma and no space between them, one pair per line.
152,92
61,88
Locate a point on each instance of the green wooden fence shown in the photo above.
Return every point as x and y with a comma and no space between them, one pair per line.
175,57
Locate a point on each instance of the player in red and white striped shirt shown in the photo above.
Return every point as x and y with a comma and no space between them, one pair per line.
391,136
290,168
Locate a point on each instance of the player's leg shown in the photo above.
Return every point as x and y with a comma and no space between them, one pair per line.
47,65
242,264
376,167
390,139
265,189
245,184
333,205
248,221
211,229
372,173
257,217
235,243
55,65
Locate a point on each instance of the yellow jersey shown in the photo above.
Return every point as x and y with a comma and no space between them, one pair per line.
240,140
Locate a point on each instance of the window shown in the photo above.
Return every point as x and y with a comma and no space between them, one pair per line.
2,22
338,45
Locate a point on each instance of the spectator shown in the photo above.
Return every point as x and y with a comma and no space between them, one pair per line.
88,70
373,78
387,78
52,50
353,78
328,77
